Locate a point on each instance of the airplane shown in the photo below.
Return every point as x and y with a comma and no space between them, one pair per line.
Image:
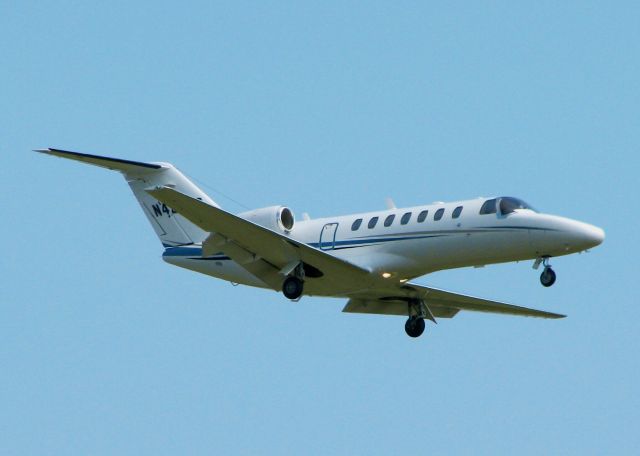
368,258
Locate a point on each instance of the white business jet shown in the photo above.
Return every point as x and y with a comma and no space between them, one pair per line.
368,258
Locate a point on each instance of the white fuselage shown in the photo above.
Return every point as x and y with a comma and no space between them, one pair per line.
368,258
410,247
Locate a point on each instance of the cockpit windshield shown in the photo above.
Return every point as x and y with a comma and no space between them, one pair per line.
509,204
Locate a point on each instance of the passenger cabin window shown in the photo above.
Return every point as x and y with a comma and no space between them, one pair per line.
389,220
422,216
456,212
489,207
356,225
439,213
372,222
405,218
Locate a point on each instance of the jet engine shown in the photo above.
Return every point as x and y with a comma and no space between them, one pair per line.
276,218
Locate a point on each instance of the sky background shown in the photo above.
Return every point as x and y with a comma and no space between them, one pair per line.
328,108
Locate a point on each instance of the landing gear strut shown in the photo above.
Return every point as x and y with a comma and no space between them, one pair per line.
548,276
293,285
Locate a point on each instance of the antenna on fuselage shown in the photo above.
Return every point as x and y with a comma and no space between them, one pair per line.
390,203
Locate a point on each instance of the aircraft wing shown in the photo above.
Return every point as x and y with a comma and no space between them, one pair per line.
269,254
443,304
265,253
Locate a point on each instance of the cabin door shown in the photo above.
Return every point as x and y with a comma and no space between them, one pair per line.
328,236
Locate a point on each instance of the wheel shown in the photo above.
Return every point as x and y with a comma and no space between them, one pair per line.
292,288
414,327
548,277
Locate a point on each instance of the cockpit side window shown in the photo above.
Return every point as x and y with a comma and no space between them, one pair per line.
489,207
509,204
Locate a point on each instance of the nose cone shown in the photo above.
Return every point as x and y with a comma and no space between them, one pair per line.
587,236
554,235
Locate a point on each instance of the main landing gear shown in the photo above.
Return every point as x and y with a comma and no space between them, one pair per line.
418,311
414,326
548,276
293,285
292,288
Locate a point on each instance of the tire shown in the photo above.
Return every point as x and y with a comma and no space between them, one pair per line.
292,288
548,277
414,327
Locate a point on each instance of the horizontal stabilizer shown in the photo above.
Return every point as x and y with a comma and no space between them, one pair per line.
116,164
171,228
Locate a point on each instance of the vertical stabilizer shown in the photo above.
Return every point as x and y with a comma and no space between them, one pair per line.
172,228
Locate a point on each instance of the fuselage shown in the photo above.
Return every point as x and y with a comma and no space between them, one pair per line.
404,243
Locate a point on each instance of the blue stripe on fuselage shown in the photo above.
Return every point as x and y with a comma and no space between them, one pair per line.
350,243
346,244
339,245
195,253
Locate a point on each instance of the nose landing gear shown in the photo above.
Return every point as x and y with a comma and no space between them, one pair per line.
548,276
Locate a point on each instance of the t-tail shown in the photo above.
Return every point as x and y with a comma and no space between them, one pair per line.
172,228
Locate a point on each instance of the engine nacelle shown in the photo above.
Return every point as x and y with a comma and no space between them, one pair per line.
276,218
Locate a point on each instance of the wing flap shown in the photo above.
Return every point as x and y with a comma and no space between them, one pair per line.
380,307
444,304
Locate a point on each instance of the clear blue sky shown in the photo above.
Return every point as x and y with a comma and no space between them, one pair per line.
327,107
